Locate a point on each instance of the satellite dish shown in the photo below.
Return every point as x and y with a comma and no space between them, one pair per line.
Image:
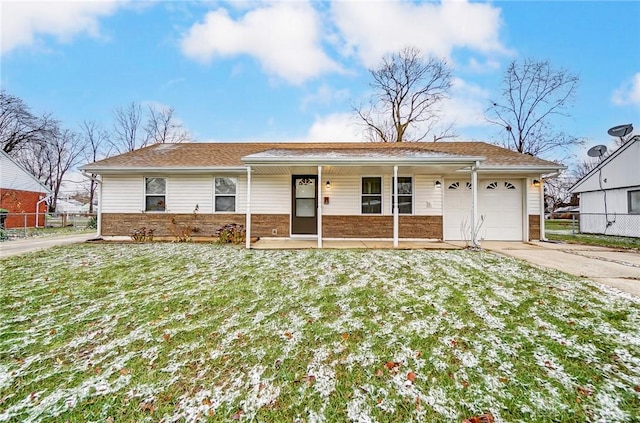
621,131
597,151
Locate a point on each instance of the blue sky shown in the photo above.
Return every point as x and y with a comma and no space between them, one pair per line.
290,70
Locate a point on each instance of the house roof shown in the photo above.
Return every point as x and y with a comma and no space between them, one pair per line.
14,176
582,185
237,155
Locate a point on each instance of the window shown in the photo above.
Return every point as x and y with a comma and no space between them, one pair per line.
372,195
225,194
509,185
634,201
155,194
405,197
492,185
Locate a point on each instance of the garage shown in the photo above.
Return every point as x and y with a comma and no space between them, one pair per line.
499,209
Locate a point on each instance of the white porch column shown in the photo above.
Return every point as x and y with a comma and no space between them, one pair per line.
395,206
99,219
543,236
248,215
474,204
319,220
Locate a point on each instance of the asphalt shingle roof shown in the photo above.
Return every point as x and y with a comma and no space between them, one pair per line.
205,155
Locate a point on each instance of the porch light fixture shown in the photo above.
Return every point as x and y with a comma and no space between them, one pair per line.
328,185
438,184
536,183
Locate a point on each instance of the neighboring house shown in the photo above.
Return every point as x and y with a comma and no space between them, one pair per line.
326,191
610,193
22,194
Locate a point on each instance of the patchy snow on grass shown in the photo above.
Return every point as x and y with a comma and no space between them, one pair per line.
180,332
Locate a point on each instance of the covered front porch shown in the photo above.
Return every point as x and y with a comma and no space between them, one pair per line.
350,198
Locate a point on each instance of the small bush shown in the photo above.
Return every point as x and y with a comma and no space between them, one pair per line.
142,235
231,233
92,223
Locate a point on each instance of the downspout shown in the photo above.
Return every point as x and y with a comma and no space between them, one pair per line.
38,208
99,214
319,201
395,206
474,205
248,216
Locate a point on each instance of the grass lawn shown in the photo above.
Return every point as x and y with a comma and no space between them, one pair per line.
186,332
599,240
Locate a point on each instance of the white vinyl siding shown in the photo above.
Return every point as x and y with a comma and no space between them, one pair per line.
122,194
185,192
270,194
533,198
427,198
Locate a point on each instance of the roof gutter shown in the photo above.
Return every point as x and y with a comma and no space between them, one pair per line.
162,169
351,161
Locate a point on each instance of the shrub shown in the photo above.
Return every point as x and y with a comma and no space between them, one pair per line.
231,233
92,223
142,235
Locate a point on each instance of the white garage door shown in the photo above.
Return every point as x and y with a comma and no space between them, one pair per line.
500,208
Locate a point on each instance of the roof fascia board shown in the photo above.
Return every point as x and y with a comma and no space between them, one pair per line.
518,169
164,169
359,161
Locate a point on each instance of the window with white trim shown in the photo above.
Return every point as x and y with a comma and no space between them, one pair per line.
405,195
225,194
155,194
634,201
371,199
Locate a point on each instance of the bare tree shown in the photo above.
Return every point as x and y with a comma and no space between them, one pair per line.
128,134
95,147
162,127
50,161
533,95
556,192
407,92
18,126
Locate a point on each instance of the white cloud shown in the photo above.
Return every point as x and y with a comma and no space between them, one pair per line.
628,93
24,21
466,105
337,127
373,29
324,96
283,37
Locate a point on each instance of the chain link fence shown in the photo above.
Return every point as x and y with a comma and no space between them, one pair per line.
615,224
24,225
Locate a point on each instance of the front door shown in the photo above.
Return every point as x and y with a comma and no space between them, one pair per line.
304,205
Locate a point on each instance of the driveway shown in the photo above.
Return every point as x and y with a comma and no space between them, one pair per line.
616,268
21,246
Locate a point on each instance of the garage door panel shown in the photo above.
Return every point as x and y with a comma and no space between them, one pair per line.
499,209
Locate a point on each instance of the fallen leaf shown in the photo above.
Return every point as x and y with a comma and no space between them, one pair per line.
345,336
636,388
411,377
238,415
288,335
166,309
465,383
211,412
97,369
503,379
454,343
483,418
379,373
110,419
59,360
206,401
166,336
391,364
52,331
548,365
147,406
124,371
418,354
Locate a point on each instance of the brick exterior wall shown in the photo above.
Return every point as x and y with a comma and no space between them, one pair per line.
420,227
534,226
262,225
122,224
18,202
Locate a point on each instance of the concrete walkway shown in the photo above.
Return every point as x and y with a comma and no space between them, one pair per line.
616,268
27,245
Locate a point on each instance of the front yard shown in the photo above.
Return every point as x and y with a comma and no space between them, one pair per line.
185,332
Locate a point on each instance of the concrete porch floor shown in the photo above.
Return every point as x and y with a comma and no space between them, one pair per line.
279,244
